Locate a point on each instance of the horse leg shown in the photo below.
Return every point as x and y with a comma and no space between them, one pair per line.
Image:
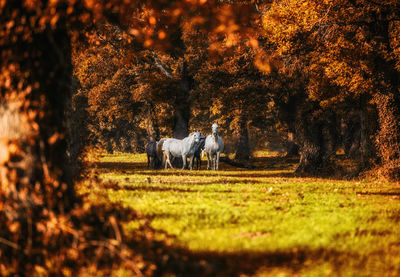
167,161
157,163
191,164
218,154
165,158
214,161
184,161
164,161
198,162
154,162
148,161
208,161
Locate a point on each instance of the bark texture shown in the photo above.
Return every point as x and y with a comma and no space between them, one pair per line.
35,176
242,146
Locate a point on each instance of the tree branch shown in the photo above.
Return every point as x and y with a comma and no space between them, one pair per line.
9,243
319,21
157,61
159,64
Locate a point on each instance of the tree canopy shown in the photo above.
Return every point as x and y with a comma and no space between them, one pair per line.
323,75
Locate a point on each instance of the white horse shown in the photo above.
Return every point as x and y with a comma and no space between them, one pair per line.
181,148
214,147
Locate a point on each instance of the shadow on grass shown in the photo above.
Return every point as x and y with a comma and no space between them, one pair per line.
264,167
262,163
259,163
180,261
149,188
141,169
231,173
237,264
243,176
380,193
146,188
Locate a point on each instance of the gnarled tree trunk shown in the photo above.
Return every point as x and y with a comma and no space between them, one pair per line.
182,105
312,150
242,147
292,149
388,139
152,129
387,101
36,181
367,128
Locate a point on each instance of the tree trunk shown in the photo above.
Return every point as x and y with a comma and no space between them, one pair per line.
388,139
350,133
292,149
242,146
387,102
35,177
367,128
312,146
41,102
153,132
182,105
181,124
331,135
78,132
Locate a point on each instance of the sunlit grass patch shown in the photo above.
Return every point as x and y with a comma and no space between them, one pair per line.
122,157
266,153
332,226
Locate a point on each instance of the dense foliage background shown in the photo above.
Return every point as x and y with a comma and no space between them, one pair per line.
322,76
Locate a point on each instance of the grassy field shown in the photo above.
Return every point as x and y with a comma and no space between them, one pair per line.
270,222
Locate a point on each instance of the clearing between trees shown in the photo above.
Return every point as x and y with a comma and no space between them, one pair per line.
256,222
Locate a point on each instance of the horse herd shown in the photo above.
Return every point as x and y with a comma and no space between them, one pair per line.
167,149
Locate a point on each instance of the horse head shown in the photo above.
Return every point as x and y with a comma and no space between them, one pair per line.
214,129
196,137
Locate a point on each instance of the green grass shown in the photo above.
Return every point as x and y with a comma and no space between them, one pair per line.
306,226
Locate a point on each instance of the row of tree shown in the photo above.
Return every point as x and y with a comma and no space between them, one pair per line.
162,94
322,74
348,54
